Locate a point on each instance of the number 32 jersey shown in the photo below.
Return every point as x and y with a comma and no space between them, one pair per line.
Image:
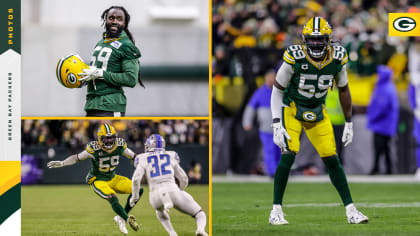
159,167
310,80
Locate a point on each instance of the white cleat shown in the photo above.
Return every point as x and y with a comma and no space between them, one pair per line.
277,217
173,233
121,224
354,216
201,233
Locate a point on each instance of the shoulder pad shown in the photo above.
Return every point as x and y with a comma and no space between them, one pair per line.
92,147
121,142
293,53
339,53
175,155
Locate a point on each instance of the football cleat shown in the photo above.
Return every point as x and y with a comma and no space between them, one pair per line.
121,224
154,141
354,216
201,233
317,35
106,136
133,223
277,217
67,70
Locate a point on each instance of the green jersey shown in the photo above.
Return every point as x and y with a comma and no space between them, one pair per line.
104,162
311,80
118,57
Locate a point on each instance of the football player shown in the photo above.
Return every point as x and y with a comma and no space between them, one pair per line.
104,154
161,167
297,102
114,64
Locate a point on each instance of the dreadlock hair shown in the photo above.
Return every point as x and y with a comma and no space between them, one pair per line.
127,21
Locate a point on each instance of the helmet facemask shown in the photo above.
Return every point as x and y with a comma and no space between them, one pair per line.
316,45
108,141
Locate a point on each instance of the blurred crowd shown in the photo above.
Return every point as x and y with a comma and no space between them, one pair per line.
75,134
249,36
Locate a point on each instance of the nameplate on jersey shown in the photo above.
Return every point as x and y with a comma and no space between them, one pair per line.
116,44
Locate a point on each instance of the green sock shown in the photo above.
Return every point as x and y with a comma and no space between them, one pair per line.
118,208
281,176
338,178
127,207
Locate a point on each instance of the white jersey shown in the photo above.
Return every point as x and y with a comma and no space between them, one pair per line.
161,168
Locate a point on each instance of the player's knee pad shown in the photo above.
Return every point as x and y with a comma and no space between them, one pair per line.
199,214
287,159
332,162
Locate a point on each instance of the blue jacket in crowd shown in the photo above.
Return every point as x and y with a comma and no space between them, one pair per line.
383,110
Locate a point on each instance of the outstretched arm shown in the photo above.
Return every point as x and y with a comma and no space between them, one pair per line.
181,176
71,160
136,182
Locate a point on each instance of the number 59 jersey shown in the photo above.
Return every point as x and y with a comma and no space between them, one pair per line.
160,167
311,79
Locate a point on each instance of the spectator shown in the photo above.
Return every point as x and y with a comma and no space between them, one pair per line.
260,105
382,116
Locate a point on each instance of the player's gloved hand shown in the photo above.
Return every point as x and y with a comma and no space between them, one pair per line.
55,164
91,73
347,133
279,133
134,199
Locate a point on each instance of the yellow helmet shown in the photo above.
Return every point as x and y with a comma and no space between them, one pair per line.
68,69
107,136
317,36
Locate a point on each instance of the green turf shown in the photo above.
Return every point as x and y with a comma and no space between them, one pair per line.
243,209
77,210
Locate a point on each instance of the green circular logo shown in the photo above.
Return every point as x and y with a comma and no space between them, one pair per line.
404,24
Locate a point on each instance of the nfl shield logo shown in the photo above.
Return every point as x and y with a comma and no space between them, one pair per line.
304,66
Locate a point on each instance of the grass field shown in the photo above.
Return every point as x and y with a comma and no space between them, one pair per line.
315,209
77,210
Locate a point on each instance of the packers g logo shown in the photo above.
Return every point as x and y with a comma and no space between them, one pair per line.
404,24
309,116
71,78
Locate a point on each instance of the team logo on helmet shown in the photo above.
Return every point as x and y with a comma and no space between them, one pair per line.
67,70
309,116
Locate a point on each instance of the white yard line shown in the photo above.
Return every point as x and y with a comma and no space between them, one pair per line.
316,179
359,204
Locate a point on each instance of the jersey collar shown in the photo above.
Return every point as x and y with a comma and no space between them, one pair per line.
110,40
319,65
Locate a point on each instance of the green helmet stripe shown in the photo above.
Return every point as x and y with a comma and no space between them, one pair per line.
108,129
60,64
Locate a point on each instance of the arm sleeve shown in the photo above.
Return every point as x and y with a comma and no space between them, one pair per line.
136,179
181,176
128,77
284,74
73,159
129,153
342,77
276,102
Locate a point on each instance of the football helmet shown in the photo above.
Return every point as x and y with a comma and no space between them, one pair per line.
154,141
68,69
317,35
107,136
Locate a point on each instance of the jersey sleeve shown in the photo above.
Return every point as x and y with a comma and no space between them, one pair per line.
91,147
288,57
340,54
